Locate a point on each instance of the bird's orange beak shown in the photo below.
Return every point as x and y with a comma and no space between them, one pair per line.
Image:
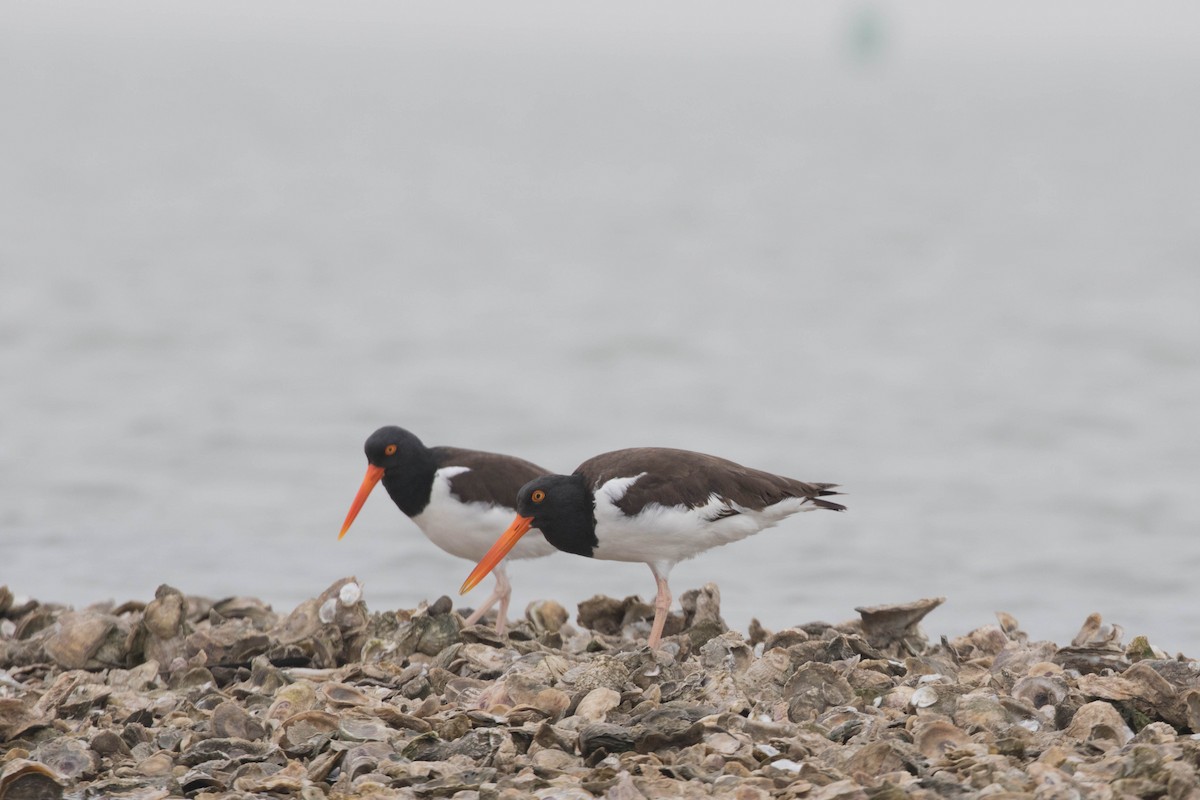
374,473
507,541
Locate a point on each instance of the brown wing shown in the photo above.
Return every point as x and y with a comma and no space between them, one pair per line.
682,477
491,477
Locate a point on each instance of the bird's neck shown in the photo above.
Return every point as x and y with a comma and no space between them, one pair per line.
411,483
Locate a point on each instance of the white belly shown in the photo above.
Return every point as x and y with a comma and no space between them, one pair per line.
468,530
670,534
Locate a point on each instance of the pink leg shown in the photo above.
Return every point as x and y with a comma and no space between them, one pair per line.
505,590
501,595
662,604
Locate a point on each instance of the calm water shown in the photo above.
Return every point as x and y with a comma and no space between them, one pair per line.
955,269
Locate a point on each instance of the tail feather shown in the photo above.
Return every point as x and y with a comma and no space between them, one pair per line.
828,504
825,490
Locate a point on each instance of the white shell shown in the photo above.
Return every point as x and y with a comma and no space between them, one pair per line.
350,594
924,697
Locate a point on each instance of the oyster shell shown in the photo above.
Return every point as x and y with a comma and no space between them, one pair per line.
292,699
365,758
702,614
934,737
307,732
165,617
1099,724
606,671
230,720
69,758
338,694
1041,691
288,781
78,636
430,635
546,616
601,736
887,625
22,779
362,728
813,688
596,704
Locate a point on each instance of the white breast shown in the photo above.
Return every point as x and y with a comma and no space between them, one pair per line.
468,530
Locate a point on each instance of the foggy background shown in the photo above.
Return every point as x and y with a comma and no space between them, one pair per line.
944,254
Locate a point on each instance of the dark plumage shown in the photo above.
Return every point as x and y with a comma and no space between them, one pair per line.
684,478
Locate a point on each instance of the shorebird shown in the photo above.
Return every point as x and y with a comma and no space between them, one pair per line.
458,498
655,505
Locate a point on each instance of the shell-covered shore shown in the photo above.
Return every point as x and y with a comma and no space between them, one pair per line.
182,696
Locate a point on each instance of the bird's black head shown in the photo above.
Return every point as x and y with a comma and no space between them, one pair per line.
391,446
405,465
562,507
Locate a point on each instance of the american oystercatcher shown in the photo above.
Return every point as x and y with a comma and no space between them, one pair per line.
655,505
458,498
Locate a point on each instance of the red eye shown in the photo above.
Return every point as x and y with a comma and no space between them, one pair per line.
390,450
537,496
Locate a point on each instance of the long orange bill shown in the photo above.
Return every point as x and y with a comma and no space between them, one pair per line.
507,541
374,473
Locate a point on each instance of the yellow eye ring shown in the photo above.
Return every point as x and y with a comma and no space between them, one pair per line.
390,450
537,496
